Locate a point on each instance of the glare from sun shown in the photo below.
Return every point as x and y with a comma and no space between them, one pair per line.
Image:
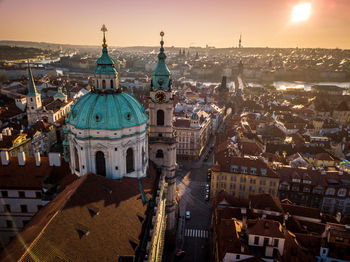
301,12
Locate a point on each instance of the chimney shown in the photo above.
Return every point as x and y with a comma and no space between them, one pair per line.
21,158
55,159
37,158
5,159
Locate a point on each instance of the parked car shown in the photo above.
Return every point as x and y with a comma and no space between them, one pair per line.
188,215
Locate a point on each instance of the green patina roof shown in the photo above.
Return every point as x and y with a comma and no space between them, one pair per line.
59,93
31,83
109,111
105,64
161,77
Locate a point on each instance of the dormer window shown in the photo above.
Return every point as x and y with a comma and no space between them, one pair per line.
253,170
263,171
244,169
330,191
234,169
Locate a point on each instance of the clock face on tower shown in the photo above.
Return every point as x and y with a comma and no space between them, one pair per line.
160,97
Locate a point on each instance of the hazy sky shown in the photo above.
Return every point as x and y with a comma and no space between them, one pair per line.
185,22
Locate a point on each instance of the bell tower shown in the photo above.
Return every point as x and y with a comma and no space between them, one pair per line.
33,100
162,140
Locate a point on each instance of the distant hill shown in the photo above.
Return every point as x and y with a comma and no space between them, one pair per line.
16,53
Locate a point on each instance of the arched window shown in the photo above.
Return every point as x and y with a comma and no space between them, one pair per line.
160,118
129,160
143,157
76,158
100,163
160,154
111,84
97,83
104,84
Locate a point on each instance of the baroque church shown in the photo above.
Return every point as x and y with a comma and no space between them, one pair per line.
109,133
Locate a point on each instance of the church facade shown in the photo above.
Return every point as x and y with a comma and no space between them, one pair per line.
108,131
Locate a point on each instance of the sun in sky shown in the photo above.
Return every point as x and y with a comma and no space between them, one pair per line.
301,12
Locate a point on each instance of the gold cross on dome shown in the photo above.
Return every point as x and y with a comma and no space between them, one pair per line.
104,30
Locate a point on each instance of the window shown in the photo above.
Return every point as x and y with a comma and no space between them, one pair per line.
342,192
76,158
330,191
104,84
160,154
24,208
306,189
160,118
263,171
266,241
295,188
111,84
256,240
40,207
143,157
25,222
244,169
275,242
4,193
129,160
21,194
100,163
38,194
9,223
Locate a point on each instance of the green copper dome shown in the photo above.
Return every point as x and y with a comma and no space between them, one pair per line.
110,111
105,64
161,77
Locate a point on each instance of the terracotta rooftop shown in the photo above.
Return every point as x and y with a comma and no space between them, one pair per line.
93,219
30,175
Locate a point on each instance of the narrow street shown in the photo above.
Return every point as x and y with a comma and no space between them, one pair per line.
195,232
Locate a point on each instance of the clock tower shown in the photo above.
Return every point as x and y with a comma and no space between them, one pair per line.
162,140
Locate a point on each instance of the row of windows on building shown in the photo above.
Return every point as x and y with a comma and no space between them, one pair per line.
242,187
21,194
10,224
329,191
24,208
104,84
244,170
243,179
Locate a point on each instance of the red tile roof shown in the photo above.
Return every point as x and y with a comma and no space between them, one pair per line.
110,211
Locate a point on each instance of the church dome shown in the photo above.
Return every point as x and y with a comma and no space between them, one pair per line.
109,111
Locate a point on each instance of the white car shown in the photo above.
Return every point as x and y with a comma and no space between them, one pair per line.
188,215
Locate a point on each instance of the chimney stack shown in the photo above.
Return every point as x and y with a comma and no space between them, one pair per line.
55,159
5,159
21,158
37,158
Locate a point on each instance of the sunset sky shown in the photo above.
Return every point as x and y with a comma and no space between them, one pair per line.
185,22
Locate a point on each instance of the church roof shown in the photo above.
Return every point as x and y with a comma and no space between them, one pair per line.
90,211
161,77
109,111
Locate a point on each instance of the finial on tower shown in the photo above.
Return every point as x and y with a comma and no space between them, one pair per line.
104,30
161,41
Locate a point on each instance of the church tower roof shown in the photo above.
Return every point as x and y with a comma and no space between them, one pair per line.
161,77
105,64
31,83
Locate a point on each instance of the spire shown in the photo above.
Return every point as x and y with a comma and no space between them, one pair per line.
104,30
161,74
31,83
105,64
